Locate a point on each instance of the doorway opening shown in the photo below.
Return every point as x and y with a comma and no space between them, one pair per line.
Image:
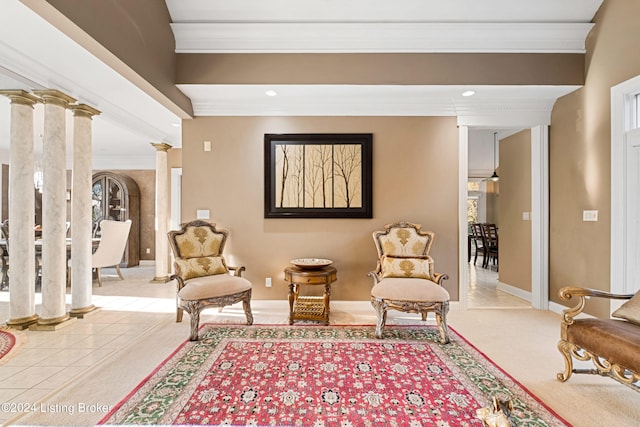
481,286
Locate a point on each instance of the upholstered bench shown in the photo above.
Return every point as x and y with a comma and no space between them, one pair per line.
613,345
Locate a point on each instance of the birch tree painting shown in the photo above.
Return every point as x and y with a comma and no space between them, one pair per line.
317,178
318,175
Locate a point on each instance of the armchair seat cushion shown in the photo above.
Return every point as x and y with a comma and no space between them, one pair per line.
617,341
409,289
213,286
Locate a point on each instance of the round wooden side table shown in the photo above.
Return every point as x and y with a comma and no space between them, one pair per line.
309,307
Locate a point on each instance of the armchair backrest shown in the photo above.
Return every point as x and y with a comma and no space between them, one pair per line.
403,251
403,239
197,248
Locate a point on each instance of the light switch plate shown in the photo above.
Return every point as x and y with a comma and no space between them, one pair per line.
589,215
202,214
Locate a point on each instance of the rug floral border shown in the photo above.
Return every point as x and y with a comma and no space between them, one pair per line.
159,397
11,341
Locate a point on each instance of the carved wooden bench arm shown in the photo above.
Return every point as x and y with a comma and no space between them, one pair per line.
569,292
611,345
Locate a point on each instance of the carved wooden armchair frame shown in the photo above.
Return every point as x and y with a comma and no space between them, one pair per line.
197,248
415,251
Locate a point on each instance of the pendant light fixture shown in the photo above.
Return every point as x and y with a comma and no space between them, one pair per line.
495,176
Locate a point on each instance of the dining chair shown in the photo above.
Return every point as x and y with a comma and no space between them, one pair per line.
4,259
490,232
113,240
477,238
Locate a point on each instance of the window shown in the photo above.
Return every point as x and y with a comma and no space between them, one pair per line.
472,209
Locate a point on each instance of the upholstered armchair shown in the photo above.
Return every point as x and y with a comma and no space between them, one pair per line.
203,277
404,278
110,250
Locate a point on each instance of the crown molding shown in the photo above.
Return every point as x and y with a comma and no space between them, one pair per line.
379,37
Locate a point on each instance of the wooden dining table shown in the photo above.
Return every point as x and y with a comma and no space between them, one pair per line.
38,246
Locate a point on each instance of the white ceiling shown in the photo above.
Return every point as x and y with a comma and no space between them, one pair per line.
131,119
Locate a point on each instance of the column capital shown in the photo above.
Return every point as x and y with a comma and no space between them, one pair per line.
163,146
20,97
55,97
83,110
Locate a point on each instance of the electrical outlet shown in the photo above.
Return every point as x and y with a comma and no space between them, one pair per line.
267,282
148,250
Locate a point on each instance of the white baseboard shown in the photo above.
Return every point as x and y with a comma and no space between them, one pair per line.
556,308
520,293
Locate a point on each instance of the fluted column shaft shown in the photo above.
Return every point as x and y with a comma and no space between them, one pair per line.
54,211
81,220
162,214
21,211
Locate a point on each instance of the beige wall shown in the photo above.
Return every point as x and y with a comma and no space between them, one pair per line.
382,68
514,199
579,151
492,196
137,32
414,178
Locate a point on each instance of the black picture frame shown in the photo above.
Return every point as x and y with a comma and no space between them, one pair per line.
325,175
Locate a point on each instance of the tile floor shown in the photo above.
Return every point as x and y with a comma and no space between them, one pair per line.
484,291
94,362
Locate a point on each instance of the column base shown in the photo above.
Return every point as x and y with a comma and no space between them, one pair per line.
163,279
52,324
81,312
23,322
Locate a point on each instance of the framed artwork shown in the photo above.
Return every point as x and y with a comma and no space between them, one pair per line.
318,175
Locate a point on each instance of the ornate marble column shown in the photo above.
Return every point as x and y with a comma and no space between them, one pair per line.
162,214
54,212
81,211
21,211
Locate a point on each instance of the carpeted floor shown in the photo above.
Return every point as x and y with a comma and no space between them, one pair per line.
325,376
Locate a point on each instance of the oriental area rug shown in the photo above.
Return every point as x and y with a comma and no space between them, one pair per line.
325,376
9,344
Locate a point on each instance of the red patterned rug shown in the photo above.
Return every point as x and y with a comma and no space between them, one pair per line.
325,376
8,345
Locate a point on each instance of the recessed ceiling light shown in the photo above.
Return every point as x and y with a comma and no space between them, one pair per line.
271,93
468,93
